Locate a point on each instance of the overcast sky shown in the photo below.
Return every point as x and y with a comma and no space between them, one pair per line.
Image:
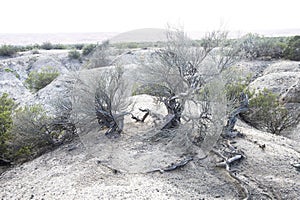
53,16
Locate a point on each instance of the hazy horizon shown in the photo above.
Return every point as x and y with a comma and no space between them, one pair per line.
96,37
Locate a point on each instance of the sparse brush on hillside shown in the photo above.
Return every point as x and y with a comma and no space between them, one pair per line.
88,49
39,79
100,57
47,46
79,46
236,85
255,46
8,50
292,51
74,54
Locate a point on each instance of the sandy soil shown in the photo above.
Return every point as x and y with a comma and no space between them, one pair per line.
71,172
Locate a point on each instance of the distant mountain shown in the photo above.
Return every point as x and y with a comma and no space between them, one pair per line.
141,35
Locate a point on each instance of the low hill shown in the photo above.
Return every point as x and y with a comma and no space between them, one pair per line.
141,35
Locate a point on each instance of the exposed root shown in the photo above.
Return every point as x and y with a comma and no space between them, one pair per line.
227,161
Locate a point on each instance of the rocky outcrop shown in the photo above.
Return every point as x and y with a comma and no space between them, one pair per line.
292,94
14,72
275,82
279,77
10,84
283,66
52,93
283,79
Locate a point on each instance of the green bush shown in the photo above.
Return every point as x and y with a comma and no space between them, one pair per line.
28,47
59,46
6,122
87,49
40,79
32,134
27,132
234,90
74,54
266,113
100,56
235,86
292,51
131,45
8,50
79,46
256,46
21,131
47,46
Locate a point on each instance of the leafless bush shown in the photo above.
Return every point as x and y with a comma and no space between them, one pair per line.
193,75
62,121
98,100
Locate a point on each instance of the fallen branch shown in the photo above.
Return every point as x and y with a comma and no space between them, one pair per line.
137,119
115,171
226,163
172,166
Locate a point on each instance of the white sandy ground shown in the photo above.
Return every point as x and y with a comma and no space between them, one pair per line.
70,172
